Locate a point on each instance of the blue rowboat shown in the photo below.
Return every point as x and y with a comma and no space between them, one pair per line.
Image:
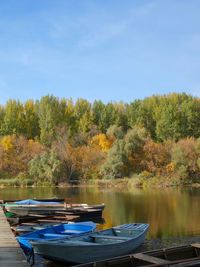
35,202
52,232
96,246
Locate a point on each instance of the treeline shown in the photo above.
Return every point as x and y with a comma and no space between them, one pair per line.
54,140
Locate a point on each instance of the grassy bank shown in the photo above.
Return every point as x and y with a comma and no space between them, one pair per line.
139,181
136,181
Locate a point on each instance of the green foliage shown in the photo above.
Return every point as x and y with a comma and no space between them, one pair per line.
177,117
13,118
49,114
115,132
106,115
157,135
45,168
135,140
2,114
83,113
117,161
141,113
10,182
172,116
31,120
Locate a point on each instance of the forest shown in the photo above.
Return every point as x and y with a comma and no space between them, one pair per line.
58,141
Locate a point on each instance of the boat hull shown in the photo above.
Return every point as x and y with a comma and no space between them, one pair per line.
84,253
185,255
54,232
76,209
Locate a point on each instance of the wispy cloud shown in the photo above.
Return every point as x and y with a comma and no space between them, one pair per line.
82,46
103,34
106,31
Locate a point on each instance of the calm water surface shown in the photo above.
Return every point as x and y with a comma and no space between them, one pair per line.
173,214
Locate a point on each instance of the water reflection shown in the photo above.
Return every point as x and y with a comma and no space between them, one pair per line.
170,213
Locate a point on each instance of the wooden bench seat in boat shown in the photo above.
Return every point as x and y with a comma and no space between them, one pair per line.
70,232
77,242
60,234
111,237
50,235
150,259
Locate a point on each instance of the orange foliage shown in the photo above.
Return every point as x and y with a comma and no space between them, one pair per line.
185,152
156,157
87,160
16,152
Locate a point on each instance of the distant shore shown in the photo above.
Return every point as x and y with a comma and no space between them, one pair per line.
125,183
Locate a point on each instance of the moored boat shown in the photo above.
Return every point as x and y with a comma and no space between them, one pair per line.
25,228
95,246
31,206
52,232
185,255
55,218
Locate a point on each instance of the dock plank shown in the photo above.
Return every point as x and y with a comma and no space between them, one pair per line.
11,255
196,245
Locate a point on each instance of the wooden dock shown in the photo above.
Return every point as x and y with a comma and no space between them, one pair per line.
11,255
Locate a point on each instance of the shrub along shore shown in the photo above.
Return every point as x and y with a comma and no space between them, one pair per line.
144,143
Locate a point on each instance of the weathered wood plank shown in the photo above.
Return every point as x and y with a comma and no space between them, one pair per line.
195,245
14,256
150,259
13,264
11,255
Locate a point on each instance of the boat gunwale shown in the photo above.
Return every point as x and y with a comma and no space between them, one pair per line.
66,241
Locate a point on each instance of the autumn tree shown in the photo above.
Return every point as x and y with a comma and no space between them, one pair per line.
49,118
87,161
185,157
104,115
177,117
98,108
101,141
134,143
141,113
70,120
31,120
13,121
157,156
16,152
116,164
65,153
83,114
45,168
115,132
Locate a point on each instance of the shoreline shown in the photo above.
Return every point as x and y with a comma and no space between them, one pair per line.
125,183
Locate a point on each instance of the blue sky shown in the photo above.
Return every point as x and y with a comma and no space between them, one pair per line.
99,49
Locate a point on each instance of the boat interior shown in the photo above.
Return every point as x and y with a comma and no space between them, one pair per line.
109,236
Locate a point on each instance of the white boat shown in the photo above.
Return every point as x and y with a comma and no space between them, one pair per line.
30,206
100,245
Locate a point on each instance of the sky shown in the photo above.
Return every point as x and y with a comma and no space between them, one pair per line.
110,50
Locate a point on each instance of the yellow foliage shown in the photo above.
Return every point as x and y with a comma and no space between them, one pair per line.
7,143
170,167
102,142
31,142
146,174
29,105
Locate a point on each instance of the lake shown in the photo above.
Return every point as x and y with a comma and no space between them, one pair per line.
173,214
